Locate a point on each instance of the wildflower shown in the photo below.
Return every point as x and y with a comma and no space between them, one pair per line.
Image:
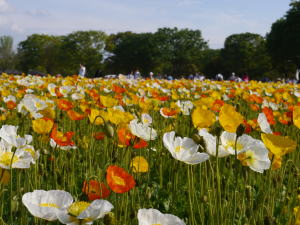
61,139
183,149
96,116
203,118
296,116
255,156
95,189
264,124
229,142
168,112
278,145
155,217
64,104
211,144
146,119
139,164
73,115
43,125
119,180
46,204
142,131
229,118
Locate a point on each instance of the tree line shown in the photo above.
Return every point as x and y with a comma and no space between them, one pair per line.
174,51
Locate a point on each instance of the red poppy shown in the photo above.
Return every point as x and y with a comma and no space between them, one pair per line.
119,180
124,136
140,143
75,115
95,190
64,104
60,138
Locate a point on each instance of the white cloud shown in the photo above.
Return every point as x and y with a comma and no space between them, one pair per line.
4,6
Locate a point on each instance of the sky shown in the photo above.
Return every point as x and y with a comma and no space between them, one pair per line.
217,19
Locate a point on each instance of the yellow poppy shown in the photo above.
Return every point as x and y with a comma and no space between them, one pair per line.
296,116
229,118
278,145
139,164
203,118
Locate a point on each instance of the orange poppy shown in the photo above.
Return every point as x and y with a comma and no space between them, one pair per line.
99,135
269,114
75,115
217,105
60,138
57,92
119,180
124,136
95,190
140,143
118,89
11,104
64,104
168,112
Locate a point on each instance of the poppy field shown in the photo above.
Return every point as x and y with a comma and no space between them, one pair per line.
148,152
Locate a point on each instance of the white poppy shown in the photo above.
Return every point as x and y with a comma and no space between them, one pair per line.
52,89
185,107
256,156
18,159
211,144
228,142
184,149
82,213
264,124
142,131
46,204
153,216
146,119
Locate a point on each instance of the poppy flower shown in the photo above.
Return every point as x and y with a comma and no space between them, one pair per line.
11,104
119,180
278,145
95,190
118,89
64,104
167,112
99,135
62,139
75,115
203,118
43,125
229,118
296,116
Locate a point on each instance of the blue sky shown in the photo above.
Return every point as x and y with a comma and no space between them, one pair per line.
217,19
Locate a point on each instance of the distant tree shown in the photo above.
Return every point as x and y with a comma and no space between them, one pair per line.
283,41
180,50
246,54
131,51
82,47
40,52
7,55
212,62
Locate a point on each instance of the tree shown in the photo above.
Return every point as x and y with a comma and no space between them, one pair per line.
40,52
82,47
131,51
246,54
283,41
6,53
180,51
212,62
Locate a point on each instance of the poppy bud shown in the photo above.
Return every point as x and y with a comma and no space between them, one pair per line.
109,130
240,130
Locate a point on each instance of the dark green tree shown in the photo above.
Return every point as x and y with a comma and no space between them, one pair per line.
246,53
40,52
131,51
82,47
283,41
7,55
180,50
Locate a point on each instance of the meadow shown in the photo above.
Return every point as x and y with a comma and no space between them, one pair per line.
149,152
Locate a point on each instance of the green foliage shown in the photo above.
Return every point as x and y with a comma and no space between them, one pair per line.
283,41
6,53
246,54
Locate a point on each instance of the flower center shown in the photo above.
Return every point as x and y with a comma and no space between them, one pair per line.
77,208
51,205
179,148
230,144
118,180
7,158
